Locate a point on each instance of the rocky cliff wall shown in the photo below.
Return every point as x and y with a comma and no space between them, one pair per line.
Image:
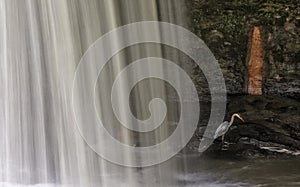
226,27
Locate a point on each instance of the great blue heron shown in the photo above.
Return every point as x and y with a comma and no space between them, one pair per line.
224,127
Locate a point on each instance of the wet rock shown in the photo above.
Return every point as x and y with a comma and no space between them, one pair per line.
225,26
271,128
215,36
289,26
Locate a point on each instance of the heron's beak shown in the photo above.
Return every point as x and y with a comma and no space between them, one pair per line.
241,119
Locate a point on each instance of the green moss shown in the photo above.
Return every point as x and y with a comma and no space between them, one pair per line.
231,16
225,26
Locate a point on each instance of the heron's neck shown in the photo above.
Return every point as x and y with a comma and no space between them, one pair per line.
232,119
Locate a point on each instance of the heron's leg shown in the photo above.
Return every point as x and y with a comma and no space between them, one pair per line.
223,137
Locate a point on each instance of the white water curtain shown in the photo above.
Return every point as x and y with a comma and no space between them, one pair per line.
41,44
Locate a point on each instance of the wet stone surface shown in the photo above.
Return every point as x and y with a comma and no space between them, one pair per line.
271,128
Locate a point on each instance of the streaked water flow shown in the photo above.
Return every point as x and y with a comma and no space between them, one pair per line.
41,44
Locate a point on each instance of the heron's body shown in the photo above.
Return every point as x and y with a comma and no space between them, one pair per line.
224,127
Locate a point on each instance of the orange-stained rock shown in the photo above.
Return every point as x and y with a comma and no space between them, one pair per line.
255,64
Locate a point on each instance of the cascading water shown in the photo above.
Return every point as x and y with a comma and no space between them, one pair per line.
41,44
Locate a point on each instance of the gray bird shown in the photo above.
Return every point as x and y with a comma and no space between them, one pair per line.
224,127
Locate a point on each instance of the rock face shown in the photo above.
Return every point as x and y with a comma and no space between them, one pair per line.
268,118
226,27
271,128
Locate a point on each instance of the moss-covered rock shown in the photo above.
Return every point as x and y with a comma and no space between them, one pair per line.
226,26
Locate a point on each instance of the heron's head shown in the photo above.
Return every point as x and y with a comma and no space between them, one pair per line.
239,116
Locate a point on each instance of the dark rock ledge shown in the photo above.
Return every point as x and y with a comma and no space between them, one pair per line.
271,128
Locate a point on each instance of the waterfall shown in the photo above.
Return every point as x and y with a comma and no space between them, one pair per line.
41,44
